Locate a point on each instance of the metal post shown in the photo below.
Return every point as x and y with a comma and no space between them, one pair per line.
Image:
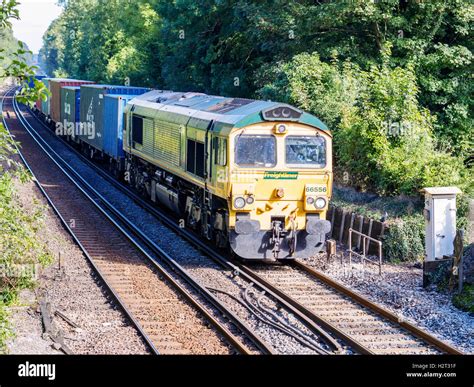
380,258
369,234
361,226
363,254
350,247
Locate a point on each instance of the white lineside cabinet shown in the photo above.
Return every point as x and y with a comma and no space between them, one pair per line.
440,221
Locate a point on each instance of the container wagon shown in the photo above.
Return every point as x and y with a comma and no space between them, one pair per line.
70,112
92,114
113,126
55,85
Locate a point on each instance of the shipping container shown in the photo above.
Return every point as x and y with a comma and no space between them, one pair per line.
44,106
31,80
70,109
92,109
55,85
114,106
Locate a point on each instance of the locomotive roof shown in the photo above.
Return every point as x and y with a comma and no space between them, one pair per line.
199,109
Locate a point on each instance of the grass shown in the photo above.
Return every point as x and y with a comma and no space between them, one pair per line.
375,206
5,328
465,300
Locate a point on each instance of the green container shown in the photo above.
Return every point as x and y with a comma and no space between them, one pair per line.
45,105
70,113
92,110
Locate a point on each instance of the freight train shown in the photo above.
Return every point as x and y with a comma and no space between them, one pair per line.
253,176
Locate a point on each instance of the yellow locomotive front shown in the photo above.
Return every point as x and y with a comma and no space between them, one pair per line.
279,186
252,175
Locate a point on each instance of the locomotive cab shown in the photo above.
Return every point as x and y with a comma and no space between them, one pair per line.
279,189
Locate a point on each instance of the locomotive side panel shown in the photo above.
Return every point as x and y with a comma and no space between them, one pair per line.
237,172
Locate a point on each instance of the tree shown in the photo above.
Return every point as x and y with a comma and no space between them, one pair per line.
256,48
383,137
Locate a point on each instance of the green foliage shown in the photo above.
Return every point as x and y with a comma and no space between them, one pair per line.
20,251
107,41
465,300
383,137
21,254
313,85
5,328
405,239
233,48
14,62
18,243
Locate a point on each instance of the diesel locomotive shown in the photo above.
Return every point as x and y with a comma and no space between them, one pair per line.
255,176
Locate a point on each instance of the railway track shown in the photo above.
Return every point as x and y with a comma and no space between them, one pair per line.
267,311
129,273
357,324
378,330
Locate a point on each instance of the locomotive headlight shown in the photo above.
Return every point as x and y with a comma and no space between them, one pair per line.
239,202
286,112
279,193
320,203
309,200
250,200
280,128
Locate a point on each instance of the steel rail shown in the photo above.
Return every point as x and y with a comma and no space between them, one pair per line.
361,300
312,321
261,345
66,225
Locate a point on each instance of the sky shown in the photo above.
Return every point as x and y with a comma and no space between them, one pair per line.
35,18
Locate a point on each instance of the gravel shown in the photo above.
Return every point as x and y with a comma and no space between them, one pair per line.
400,290
74,291
202,268
174,326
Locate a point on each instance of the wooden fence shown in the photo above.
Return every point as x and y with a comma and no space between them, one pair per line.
342,221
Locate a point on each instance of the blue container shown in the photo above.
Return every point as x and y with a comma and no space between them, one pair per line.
31,82
92,109
113,126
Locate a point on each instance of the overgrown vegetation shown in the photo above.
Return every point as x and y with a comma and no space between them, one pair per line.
225,47
383,137
465,300
21,254
392,79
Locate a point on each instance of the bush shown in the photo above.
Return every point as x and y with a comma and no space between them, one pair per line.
21,253
405,239
383,139
465,300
